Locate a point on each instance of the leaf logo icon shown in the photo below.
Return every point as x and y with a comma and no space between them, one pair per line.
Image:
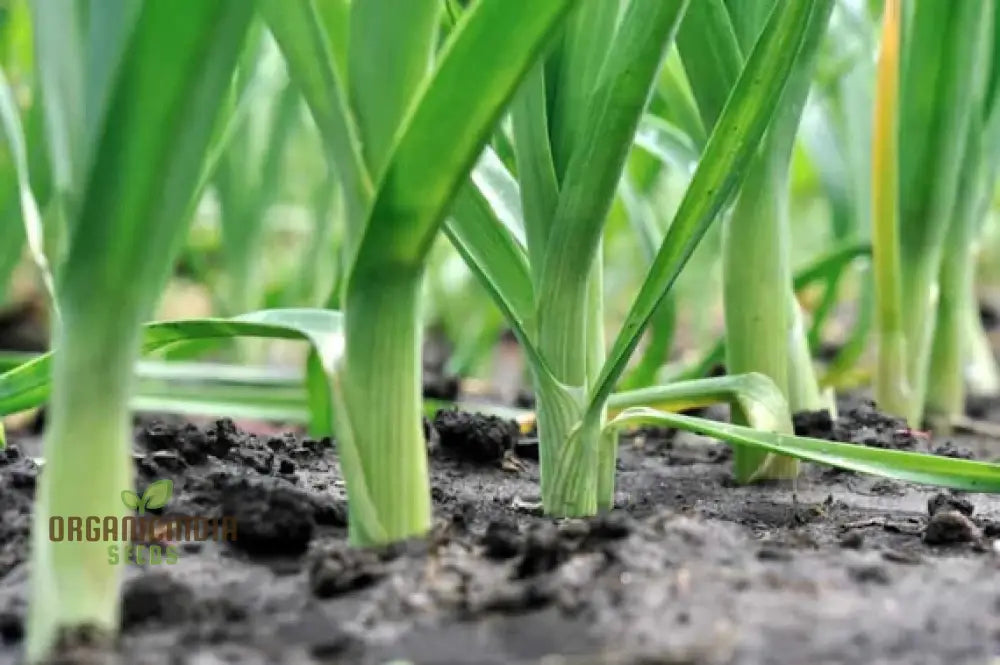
155,496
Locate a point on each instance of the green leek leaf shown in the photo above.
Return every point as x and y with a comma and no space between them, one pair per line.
896,464
727,155
27,386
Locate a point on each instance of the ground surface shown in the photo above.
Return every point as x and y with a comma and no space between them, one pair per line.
689,569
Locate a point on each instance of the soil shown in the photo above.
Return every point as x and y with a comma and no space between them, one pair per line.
688,569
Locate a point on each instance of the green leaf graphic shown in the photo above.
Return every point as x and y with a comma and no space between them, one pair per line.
130,499
157,494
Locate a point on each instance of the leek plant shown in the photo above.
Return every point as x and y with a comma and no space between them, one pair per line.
926,194
573,122
957,358
764,329
381,112
141,137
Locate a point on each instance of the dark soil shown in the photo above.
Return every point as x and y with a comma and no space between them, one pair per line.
839,568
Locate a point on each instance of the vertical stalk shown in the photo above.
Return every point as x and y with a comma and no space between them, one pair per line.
568,470
946,392
764,332
564,340
88,465
803,386
383,409
607,445
981,369
943,46
892,387
756,278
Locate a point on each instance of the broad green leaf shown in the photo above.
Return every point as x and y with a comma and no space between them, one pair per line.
600,148
484,59
157,494
748,17
59,53
27,386
754,396
389,55
896,464
940,45
141,173
727,155
109,26
310,57
536,169
573,69
129,224
335,17
321,416
711,55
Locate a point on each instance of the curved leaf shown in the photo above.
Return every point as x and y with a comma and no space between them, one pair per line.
721,170
486,56
896,464
27,386
310,57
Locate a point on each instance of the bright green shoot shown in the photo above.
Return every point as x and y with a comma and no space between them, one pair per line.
942,46
957,357
147,132
381,114
569,163
764,329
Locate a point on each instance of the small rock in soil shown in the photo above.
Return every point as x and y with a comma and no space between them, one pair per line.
272,516
814,424
902,556
188,441
10,454
11,627
501,540
343,569
167,460
612,526
870,574
949,527
543,551
475,437
943,501
854,540
886,487
441,386
23,474
991,528
155,597
768,553
949,449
